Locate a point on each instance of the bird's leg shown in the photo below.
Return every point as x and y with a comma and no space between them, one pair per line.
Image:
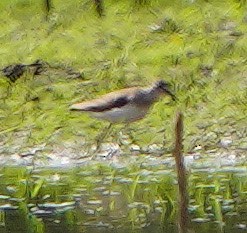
124,136
100,138
132,138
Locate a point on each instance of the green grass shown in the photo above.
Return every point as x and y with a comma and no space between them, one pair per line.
120,50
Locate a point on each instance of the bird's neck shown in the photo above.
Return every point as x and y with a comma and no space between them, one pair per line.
148,96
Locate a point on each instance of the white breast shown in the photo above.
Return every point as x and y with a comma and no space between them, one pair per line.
128,113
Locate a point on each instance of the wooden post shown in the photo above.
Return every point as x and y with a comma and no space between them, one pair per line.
99,7
48,6
183,216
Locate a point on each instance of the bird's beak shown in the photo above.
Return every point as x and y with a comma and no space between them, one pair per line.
168,92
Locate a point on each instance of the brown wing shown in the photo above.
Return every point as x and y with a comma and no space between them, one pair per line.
112,100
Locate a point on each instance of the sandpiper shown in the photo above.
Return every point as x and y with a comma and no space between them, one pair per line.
126,105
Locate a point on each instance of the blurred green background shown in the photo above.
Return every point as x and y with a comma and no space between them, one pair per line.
198,46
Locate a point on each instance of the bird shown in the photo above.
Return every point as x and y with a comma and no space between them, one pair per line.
125,105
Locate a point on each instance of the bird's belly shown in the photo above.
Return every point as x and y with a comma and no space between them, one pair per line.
124,114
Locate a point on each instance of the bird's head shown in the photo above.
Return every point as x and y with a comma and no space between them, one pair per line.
164,87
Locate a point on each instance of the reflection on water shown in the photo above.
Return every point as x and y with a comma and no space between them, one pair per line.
103,198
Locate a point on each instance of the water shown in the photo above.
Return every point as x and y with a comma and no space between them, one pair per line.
109,198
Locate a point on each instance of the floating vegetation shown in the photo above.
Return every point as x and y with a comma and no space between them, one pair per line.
214,197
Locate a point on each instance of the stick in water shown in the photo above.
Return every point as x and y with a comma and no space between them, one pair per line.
183,216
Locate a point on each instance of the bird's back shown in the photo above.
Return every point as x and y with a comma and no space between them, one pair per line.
116,99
